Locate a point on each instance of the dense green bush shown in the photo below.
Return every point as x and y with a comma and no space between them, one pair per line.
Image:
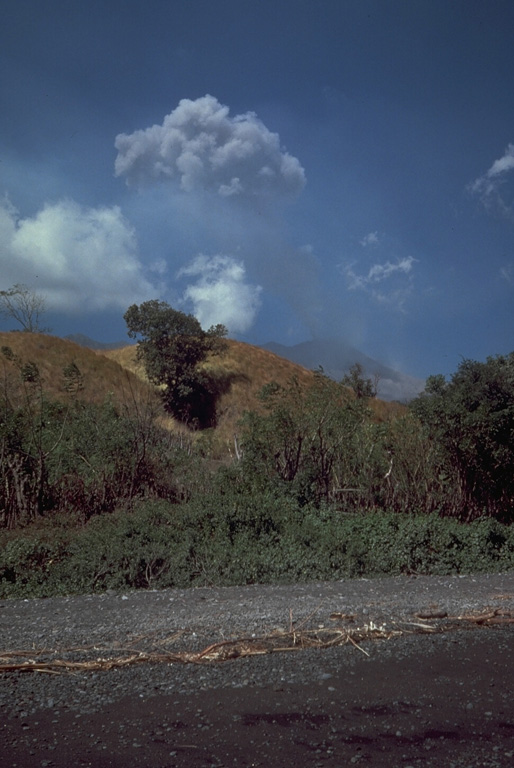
79,458
233,539
471,419
32,566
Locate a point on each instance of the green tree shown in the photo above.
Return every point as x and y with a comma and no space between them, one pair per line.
362,386
472,418
23,454
171,346
306,440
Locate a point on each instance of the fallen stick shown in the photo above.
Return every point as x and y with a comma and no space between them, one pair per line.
277,642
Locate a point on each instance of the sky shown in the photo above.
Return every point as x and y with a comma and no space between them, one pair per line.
293,169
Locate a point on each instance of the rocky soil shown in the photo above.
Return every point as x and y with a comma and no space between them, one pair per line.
421,672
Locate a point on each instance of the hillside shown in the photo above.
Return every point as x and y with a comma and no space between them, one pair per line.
102,376
87,341
240,372
336,357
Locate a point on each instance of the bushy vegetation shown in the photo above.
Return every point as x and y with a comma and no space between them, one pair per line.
471,420
75,457
98,495
220,541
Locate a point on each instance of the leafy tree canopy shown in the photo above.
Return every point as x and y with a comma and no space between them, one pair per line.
472,417
171,345
362,386
305,440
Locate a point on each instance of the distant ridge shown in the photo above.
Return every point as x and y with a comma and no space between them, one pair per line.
336,357
85,341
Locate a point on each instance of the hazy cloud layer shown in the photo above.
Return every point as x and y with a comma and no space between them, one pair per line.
79,258
490,187
507,272
221,293
201,147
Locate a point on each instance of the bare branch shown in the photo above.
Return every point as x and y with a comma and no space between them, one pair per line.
25,306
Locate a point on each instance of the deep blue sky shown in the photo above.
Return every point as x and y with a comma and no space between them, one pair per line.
292,168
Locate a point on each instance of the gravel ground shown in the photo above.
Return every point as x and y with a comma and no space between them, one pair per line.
411,697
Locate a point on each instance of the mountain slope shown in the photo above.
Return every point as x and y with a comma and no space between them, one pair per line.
87,341
336,358
241,372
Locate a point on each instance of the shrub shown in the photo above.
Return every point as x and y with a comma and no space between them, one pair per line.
32,567
228,539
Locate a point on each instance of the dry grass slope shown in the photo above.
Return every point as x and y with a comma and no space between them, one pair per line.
240,372
102,377
250,368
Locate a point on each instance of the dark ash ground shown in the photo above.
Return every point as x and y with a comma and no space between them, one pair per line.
444,698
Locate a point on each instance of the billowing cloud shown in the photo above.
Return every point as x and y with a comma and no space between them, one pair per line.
222,179
80,259
201,147
489,187
221,293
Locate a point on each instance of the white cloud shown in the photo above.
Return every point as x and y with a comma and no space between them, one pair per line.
488,187
221,295
379,272
397,294
201,147
370,239
79,258
504,164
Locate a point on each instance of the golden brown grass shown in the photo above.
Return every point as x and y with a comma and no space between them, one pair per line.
127,358
102,377
250,368
241,372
